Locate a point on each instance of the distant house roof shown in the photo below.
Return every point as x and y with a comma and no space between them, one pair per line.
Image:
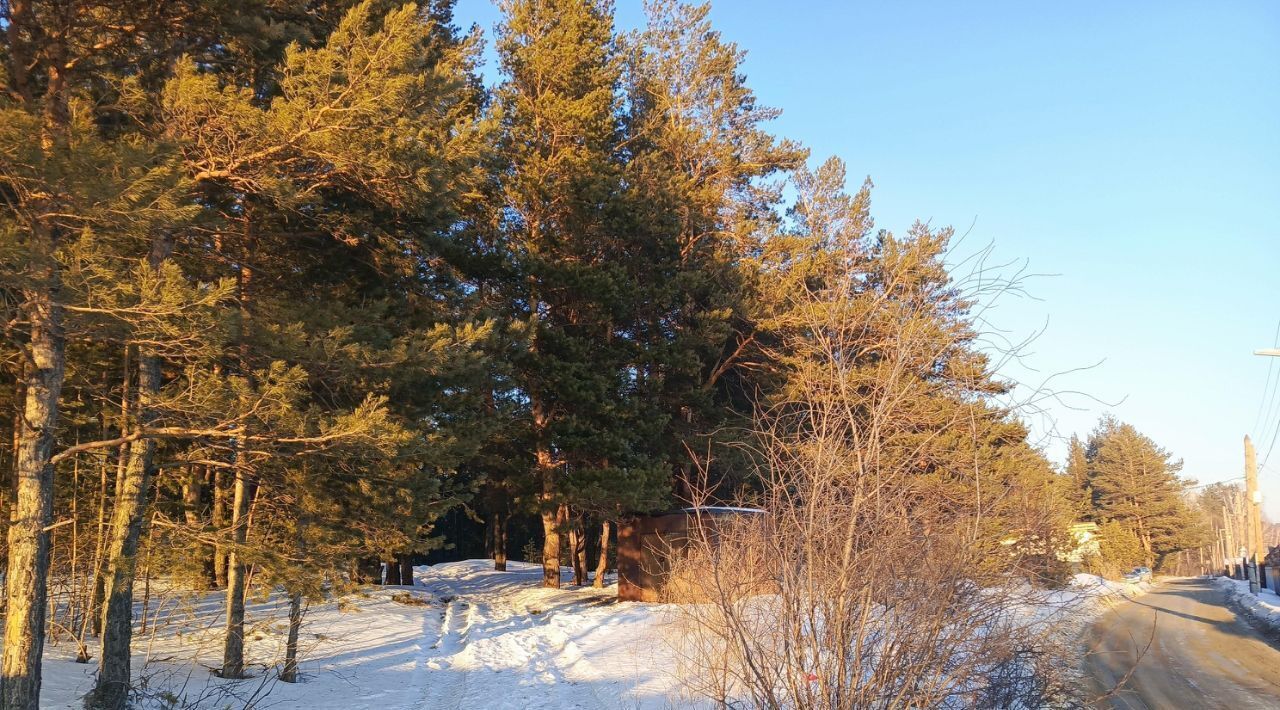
719,509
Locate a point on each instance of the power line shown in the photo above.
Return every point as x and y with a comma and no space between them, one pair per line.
1275,385
1269,419
1271,366
1271,447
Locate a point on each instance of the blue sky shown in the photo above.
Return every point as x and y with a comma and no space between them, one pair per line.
1129,151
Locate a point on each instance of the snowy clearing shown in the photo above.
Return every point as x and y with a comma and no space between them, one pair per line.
463,636
482,639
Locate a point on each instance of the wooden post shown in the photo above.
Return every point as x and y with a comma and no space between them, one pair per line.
1229,542
1253,513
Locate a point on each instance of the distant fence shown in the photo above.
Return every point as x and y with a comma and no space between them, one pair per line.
1268,575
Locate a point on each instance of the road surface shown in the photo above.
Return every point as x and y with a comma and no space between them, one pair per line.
1200,656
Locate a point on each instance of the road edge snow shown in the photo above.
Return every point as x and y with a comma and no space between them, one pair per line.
1259,611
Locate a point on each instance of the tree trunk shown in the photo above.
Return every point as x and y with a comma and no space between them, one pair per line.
368,571
122,462
10,484
393,572
578,549
243,493
550,511
406,570
218,517
233,644
192,490
32,510
289,673
500,544
550,549
602,566
111,691
192,495
93,615
490,535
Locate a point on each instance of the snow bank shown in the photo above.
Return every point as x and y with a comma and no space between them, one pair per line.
1100,589
1263,609
1092,594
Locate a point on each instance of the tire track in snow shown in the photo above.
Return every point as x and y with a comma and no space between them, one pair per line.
447,683
529,654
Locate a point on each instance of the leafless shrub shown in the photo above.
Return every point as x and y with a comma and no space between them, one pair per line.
870,580
842,599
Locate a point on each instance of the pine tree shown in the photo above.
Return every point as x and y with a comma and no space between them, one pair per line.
92,174
700,159
376,121
559,112
70,182
1135,483
1077,473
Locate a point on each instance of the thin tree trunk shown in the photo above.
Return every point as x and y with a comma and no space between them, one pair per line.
406,570
392,576
578,548
73,607
491,535
94,602
146,577
581,553
122,459
32,511
572,539
111,692
289,673
233,645
192,494
218,517
500,543
192,490
602,566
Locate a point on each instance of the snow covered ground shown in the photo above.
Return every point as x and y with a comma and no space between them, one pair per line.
1263,608
469,638
463,636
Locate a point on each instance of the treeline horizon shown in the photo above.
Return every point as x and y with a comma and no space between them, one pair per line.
285,284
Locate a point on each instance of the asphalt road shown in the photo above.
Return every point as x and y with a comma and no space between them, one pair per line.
1200,655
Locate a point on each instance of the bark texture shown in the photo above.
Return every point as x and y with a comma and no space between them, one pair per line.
289,673
551,513
602,566
32,510
233,643
578,550
111,692
218,517
500,543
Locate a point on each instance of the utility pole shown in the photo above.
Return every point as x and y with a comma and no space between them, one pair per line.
1253,512
1229,540
1251,484
1221,558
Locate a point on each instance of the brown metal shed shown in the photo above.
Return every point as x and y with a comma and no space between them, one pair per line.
646,544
